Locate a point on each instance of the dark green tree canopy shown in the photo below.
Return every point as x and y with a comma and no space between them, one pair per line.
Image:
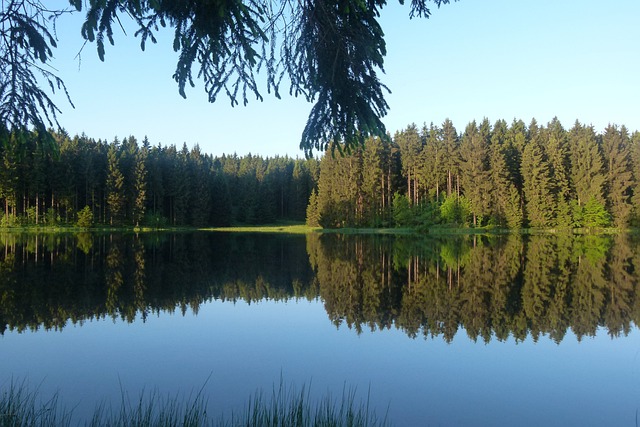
330,51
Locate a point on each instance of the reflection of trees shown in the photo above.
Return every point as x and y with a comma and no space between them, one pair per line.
589,284
124,276
491,286
621,285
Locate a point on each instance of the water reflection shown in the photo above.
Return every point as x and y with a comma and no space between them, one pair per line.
491,287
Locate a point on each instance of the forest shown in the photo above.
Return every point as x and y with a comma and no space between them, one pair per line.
506,176
491,176
82,181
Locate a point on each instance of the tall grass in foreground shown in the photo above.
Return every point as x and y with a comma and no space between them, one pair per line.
283,408
21,407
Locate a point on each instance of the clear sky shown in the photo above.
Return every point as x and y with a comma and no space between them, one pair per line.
500,59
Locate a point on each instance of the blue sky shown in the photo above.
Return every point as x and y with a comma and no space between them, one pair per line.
500,59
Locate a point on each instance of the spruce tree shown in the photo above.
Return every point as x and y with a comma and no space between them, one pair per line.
474,174
537,186
140,183
506,205
115,186
556,149
450,144
635,168
313,214
587,175
617,160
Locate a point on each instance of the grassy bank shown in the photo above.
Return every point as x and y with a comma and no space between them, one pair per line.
283,407
290,228
299,228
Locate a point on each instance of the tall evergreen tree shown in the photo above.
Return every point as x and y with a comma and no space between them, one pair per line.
587,175
556,149
410,145
617,160
373,182
506,206
474,174
451,157
635,165
431,171
140,183
115,186
537,186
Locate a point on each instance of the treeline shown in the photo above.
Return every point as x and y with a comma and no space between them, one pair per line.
83,181
489,175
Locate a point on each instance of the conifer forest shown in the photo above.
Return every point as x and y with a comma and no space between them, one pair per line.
489,175
506,176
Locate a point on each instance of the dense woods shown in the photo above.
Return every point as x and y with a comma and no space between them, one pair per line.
499,175
488,175
79,180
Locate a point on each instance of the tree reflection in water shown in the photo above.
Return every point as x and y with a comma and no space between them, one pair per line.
492,287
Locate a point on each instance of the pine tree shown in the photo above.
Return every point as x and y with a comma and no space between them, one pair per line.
451,157
474,174
313,215
8,175
115,186
617,160
506,205
513,149
556,149
200,206
587,174
537,186
140,183
431,171
410,145
372,182
635,165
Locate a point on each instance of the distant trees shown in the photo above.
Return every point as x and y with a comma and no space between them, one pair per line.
501,175
132,184
496,175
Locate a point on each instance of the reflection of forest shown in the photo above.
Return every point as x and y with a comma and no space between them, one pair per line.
496,286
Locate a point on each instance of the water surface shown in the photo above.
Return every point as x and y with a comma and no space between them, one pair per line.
440,331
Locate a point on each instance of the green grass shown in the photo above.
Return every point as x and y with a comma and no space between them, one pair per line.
283,407
285,228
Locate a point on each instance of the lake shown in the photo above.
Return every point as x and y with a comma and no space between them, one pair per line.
442,331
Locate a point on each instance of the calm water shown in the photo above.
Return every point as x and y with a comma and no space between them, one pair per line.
440,331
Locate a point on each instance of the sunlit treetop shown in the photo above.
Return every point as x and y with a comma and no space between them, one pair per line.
328,51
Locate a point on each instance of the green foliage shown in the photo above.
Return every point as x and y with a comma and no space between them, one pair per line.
594,214
313,215
27,46
85,218
455,210
227,44
122,182
402,213
51,217
155,220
